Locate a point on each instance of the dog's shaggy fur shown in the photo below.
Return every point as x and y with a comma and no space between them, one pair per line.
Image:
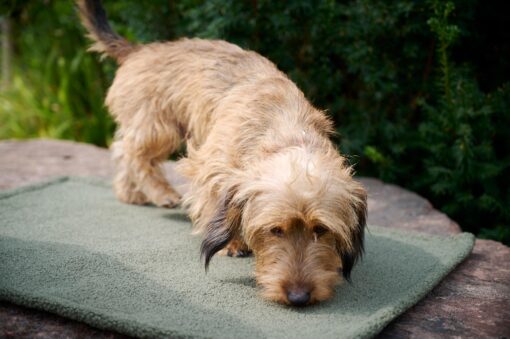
263,173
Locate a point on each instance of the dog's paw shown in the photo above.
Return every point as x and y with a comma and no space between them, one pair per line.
171,203
168,200
236,248
131,197
239,253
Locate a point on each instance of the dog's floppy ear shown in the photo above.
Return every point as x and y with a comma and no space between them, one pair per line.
222,227
349,256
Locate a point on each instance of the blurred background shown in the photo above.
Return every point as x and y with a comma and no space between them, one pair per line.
419,90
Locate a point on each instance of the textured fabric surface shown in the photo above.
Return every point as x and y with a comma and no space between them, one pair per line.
69,247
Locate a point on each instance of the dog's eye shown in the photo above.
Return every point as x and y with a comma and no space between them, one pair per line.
319,230
277,231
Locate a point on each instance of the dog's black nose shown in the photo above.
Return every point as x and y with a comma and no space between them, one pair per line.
298,297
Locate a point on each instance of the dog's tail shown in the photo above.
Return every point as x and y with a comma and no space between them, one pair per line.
106,41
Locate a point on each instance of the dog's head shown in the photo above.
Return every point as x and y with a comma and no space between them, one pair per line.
303,216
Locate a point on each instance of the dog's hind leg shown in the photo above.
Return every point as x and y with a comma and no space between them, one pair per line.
140,151
124,183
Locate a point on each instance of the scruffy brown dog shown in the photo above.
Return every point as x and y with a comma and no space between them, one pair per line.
263,173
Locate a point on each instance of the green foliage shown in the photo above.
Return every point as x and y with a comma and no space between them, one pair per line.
464,170
58,88
416,87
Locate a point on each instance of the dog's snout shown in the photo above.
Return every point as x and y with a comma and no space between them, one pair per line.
298,297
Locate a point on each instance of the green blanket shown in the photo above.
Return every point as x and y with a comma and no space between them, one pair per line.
69,247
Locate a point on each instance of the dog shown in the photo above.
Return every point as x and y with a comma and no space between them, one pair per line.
264,176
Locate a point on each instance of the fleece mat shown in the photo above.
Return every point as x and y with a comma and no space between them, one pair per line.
69,247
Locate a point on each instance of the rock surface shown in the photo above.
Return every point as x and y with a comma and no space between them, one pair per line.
472,301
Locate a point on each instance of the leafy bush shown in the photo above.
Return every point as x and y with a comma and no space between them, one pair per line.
419,89
466,164
58,88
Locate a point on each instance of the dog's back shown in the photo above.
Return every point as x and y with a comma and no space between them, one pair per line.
184,80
